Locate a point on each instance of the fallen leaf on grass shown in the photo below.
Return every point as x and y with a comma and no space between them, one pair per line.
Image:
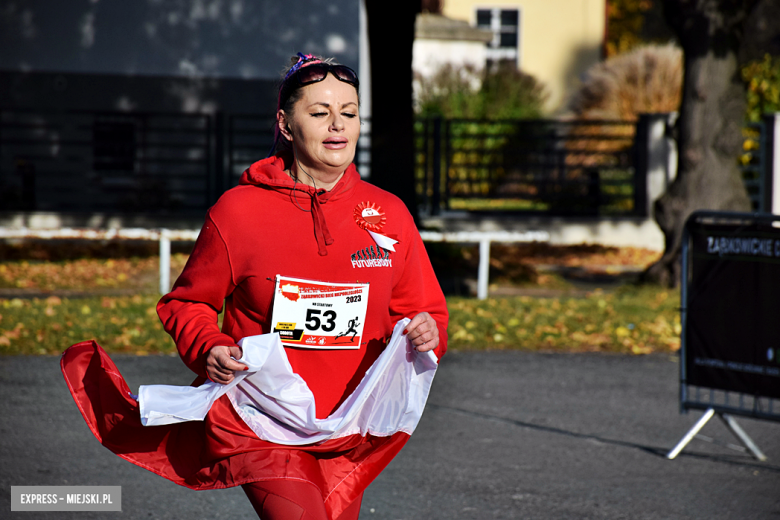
641,349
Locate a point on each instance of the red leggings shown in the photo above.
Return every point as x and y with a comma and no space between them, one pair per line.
292,500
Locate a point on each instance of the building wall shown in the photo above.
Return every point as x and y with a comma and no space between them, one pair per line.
70,70
48,91
198,56
430,55
559,39
200,38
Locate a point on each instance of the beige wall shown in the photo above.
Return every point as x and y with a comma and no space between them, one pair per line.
559,39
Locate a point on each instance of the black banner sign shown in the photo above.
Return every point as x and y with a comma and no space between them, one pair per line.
732,333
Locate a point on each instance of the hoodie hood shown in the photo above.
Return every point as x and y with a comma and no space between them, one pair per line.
270,173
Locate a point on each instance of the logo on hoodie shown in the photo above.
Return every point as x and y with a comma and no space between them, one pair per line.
369,216
372,256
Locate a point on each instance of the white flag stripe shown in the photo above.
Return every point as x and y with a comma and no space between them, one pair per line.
279,407
383,241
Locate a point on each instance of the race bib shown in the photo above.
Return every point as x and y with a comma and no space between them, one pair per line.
321,315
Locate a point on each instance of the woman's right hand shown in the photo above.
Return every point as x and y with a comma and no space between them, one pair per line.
221,363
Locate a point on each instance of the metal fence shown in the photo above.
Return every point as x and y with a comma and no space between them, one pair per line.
728,366
177,163
753,164
536,166
101,161
248,138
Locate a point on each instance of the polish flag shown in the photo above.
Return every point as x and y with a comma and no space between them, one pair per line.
163,429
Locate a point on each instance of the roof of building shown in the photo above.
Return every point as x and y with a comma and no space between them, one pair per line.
437,27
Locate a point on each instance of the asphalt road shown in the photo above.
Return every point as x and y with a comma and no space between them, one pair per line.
505,435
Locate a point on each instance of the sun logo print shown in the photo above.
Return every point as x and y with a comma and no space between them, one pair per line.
369,216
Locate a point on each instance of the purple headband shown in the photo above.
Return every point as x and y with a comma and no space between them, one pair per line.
302,59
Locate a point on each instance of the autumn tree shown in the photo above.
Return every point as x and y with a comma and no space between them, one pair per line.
632,24
712,114
625,20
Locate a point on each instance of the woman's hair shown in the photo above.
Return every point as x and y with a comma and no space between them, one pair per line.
296,62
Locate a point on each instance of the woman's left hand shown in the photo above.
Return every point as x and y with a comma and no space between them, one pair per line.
423,332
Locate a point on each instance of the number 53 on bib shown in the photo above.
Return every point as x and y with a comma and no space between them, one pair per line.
319,315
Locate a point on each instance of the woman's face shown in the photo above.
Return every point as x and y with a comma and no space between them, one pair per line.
324,127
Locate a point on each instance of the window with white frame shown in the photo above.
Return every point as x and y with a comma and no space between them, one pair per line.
505,25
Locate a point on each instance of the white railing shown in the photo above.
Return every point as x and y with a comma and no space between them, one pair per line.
484,238
164,236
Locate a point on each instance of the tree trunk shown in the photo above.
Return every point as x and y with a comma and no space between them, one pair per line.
710,124
391,36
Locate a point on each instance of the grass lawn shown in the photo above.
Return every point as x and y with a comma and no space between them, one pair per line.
631,320
48,326
624,319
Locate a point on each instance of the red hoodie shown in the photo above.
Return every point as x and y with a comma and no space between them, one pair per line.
269,225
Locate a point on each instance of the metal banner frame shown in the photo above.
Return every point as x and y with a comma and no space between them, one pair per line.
714,401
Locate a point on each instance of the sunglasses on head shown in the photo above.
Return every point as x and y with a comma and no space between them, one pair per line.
315,73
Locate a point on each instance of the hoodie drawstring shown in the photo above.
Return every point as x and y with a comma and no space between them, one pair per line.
320,226
270,174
